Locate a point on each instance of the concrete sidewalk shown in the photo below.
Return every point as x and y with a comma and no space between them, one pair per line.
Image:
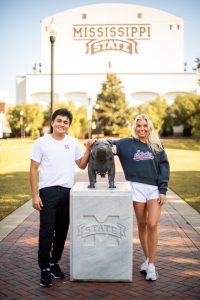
178,259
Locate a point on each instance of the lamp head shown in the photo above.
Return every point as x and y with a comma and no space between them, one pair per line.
51,29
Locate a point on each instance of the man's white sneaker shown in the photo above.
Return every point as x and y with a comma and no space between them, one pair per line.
144,266
151,273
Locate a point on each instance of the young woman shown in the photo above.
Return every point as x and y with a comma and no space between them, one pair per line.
146,166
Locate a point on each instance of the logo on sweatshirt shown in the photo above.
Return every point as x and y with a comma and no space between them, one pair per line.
139,155
66,146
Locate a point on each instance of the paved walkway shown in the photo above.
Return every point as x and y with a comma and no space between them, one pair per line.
178,259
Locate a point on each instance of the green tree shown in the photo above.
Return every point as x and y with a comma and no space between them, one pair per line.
79,127
111,109
167,128
32,119
194,119
197,61
186,111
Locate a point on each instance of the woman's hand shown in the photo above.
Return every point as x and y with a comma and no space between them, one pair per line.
162,199
114,149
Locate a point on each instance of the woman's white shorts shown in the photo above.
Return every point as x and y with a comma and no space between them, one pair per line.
143,192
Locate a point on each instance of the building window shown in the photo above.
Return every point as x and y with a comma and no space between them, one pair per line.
178,27
139,15
170,27
84,16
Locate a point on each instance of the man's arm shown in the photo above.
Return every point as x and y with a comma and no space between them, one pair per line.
36,200
83,161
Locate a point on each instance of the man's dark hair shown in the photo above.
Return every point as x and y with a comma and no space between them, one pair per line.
62,112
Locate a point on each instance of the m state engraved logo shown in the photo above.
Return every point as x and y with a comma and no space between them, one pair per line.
110,231
113,37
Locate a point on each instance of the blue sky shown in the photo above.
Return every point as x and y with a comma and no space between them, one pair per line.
20,31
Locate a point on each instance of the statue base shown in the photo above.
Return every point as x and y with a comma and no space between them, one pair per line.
101,221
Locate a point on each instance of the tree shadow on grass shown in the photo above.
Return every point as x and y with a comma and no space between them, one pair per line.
186,185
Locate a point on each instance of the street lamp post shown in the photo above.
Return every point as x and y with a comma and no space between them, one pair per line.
21,121
52,37
89,118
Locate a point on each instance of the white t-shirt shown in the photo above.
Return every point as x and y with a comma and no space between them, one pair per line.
57,160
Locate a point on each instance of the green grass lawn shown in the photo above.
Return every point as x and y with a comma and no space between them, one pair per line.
184,157
183,144
14,174
187,185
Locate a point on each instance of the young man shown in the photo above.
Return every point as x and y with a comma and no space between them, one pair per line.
56,155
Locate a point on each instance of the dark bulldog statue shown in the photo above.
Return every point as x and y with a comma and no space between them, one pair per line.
101,162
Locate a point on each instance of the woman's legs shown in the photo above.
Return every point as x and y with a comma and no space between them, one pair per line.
147,215
141,217
153,216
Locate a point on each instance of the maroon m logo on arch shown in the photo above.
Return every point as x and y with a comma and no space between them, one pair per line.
94,232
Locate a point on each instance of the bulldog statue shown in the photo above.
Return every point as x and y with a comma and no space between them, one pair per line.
101,162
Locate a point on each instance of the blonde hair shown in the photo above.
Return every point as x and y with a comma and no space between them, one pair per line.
153,140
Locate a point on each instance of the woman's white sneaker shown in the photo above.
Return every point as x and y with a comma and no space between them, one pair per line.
151,273
144,266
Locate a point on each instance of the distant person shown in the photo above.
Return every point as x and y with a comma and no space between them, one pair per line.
55,154
146,166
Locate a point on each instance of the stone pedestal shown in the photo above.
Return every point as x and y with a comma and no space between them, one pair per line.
101,232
